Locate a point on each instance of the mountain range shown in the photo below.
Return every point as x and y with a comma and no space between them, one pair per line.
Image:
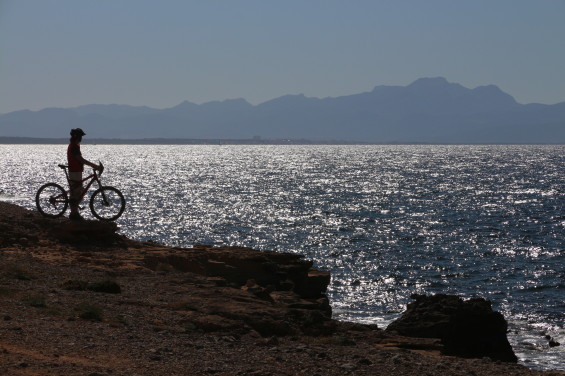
429,110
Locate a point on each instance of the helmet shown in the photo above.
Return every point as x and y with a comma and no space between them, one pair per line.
77,132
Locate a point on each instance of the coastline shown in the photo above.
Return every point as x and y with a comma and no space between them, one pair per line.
82,299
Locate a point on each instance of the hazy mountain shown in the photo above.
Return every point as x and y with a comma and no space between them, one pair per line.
428,110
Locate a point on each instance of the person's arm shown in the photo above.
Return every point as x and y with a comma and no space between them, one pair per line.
88,163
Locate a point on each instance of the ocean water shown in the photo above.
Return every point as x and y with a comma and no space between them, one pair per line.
386,221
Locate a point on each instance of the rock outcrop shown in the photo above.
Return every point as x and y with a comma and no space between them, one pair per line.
237,265
283,280
85,231
466,328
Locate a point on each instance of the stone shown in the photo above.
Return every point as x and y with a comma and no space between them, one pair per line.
364,362
468,329
252,287
349,367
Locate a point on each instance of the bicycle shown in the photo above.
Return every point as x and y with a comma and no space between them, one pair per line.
106,203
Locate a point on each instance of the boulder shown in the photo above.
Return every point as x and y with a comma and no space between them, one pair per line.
466,328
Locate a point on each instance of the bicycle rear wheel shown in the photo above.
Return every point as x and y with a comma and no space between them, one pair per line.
107,203
51,200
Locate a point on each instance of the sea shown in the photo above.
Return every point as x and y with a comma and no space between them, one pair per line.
387,221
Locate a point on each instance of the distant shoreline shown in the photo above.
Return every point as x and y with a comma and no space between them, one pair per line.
220,142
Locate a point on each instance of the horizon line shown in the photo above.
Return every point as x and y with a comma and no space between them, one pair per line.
15,140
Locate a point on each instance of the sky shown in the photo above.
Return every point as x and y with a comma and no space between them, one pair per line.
158,53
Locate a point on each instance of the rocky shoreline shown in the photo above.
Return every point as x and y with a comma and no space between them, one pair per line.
80,299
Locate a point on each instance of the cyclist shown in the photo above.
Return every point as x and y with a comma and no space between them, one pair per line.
76,167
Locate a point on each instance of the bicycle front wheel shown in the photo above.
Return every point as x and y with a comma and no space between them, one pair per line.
107,203
51,200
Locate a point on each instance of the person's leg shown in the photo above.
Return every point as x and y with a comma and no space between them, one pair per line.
76,190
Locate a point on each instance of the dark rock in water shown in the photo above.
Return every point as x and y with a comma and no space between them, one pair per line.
427,317
466,328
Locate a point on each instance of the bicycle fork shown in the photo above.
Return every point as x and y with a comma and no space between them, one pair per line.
105,200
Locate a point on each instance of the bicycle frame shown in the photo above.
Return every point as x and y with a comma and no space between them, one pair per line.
94,177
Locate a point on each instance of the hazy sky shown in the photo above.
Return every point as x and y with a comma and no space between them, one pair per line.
64,53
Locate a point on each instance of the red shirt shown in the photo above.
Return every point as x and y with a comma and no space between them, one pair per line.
73,151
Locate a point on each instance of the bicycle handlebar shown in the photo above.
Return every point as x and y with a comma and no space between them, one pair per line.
64,167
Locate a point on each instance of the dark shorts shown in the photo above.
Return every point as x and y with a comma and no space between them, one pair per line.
75,182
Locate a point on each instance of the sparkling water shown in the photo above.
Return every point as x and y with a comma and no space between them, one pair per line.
386,221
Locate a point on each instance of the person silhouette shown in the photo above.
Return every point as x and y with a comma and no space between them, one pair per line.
76,166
